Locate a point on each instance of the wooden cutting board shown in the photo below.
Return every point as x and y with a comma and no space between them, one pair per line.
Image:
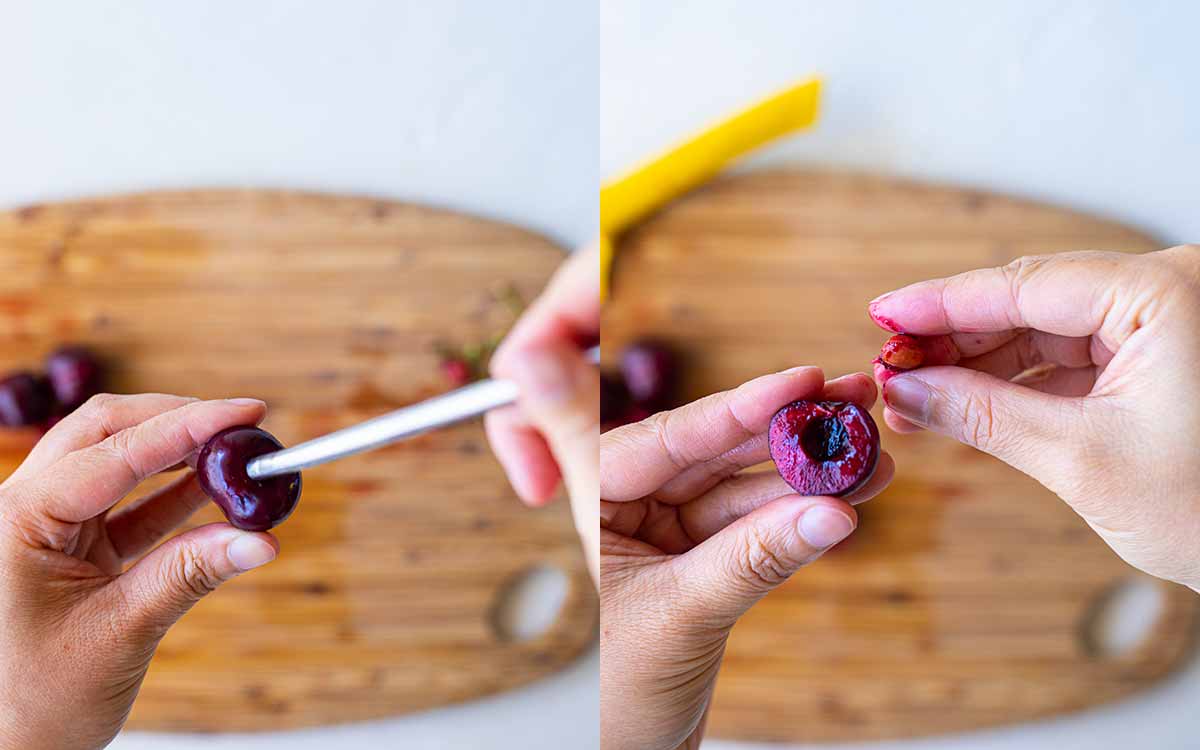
384,597
966,596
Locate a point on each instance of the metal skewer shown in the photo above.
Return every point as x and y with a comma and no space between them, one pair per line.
456,406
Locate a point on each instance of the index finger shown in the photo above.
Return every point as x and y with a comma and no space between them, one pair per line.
89,481
1067,294
637,459
100,417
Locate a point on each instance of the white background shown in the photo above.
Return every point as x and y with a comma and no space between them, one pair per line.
1094,105
480,106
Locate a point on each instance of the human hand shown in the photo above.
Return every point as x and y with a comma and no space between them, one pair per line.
554,432
690,542
1111,422
77,630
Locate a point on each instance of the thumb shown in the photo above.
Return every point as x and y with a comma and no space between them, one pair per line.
560,395
164,584
1016,424
737,566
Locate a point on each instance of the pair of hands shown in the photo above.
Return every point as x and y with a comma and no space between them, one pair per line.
690,540
81,615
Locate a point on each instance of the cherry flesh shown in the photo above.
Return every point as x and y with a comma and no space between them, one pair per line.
25,399
617,409
824,447
75,375
651,373
249,504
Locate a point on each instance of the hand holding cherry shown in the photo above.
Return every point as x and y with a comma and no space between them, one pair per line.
1077,369
74,374
90,591
691,539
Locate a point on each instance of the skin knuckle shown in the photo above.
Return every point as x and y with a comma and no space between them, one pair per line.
23,515
761,564
978,426
1023,268
101,403
193,574
1021,272
121,446
659,426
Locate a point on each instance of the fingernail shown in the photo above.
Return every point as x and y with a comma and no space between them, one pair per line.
881,320
823,527
245,402
544,376
908,396
248,552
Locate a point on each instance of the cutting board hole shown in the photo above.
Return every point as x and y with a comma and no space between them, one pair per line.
1122,617
529,603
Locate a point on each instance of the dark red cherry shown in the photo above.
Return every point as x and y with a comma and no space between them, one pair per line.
614,401
25,399
651,373
457,371
824,447
75,374
249,504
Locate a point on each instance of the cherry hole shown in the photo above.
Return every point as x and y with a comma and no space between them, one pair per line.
824,439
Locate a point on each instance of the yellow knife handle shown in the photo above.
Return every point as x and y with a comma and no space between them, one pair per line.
650,186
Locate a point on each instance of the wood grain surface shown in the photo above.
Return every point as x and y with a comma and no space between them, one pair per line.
329,308
965,598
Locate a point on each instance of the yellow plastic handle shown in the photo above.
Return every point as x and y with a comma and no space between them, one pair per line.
648,187
630,198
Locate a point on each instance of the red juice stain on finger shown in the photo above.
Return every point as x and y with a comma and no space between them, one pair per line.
883,373
883,321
